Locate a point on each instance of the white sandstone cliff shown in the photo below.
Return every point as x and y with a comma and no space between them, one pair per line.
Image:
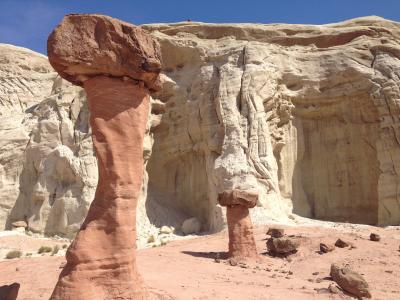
307,115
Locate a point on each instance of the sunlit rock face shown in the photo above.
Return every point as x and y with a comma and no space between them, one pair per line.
306,115
48,174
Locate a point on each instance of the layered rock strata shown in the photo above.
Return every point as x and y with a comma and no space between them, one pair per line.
101,260
308,115
242,244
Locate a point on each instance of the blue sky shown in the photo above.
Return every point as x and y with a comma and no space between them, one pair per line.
27,23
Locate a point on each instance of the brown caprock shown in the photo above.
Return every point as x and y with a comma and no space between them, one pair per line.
118,64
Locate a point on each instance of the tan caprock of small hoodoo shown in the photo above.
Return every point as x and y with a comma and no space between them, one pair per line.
117,64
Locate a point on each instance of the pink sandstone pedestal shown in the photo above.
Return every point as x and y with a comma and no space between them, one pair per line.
242,245
117,64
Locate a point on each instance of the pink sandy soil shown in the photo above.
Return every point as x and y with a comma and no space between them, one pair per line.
187,269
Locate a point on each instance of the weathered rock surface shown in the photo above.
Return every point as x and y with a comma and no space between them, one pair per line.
307,115
101,261
48,171
350,281
89,52
283,245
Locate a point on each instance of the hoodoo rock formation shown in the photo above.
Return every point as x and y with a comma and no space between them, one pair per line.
306,115
242,244
117,64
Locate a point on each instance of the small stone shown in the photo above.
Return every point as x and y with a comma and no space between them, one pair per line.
217,260
315,273
276,232
152,238
190,226
166,230
334,289
164,241
233,262
341,243
375,237
290,273
350,281
283,245
325,248
389,271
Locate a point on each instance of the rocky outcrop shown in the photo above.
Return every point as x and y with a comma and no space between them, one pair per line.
101,261
306,115
49,172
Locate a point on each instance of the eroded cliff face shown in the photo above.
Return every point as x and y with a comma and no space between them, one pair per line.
306,115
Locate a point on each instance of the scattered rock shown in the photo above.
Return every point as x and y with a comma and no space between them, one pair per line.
152,238
350,281
342,244
9,292
243,265
233,262
17,224
375,237
334,289
164,241
192,225
315,273
166,230
325,248
283,245
276,232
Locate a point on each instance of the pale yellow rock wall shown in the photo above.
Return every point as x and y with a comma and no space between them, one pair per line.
306,115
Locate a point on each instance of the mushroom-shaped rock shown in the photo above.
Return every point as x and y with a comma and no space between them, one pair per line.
117,64
83,46
241,239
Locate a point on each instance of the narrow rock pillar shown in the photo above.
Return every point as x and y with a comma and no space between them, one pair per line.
242,245
118,65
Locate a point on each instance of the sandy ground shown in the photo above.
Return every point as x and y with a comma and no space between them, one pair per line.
187,269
